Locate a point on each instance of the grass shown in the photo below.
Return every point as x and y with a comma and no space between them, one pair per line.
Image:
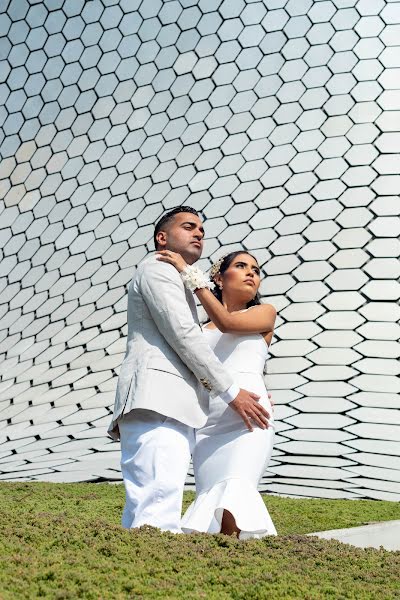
64,541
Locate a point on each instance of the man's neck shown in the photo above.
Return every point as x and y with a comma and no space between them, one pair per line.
190,260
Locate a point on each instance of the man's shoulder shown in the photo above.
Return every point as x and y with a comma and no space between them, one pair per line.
147,264
149,259
151,266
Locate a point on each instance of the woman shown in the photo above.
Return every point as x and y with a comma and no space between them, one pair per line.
229,460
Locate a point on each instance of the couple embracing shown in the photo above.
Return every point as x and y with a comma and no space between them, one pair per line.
184,391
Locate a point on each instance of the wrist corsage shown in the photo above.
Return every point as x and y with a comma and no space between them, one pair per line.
195,279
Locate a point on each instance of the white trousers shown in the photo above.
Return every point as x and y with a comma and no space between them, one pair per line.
155,457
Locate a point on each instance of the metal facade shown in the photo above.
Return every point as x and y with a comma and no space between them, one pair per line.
279,120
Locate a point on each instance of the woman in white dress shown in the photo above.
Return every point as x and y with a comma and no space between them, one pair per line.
229,458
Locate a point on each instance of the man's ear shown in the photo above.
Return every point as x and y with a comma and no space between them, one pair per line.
161,239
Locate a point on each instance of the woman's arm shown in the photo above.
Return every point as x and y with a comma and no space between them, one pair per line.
260,319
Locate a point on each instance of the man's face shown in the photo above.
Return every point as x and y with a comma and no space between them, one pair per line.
183,234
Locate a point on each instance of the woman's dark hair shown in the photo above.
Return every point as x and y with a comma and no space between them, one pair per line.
226,263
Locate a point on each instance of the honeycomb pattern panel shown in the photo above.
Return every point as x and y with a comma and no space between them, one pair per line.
279,120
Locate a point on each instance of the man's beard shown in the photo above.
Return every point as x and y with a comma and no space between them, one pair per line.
191,258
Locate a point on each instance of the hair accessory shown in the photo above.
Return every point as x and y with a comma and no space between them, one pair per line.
216,266
195,279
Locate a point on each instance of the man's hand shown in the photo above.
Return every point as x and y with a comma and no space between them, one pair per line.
247,405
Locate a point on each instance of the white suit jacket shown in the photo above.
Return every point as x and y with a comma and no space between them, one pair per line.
168,362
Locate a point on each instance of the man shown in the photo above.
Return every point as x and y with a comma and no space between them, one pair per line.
159,401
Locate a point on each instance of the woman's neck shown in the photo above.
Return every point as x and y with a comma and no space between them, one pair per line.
233,305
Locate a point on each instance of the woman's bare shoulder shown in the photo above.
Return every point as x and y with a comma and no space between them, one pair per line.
265,308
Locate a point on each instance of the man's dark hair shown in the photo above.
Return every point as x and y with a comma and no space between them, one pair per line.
165,219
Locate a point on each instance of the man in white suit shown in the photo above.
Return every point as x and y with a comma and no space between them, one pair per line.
160,397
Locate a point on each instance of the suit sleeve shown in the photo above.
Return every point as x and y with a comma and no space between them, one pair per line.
164,294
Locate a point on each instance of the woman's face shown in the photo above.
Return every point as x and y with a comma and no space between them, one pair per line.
242,278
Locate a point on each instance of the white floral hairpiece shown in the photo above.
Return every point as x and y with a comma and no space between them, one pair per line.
216,267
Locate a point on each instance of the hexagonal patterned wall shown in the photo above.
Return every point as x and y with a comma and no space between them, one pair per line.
279,120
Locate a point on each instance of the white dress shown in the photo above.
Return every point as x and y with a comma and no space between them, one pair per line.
229,460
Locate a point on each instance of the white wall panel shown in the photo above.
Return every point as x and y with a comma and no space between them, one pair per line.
279,120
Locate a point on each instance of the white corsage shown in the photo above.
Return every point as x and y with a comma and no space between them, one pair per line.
194,279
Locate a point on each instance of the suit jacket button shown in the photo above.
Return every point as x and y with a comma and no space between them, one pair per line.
206,384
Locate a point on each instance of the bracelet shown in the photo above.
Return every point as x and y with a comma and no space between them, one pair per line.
195,279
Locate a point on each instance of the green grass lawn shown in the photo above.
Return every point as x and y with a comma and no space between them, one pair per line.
64,541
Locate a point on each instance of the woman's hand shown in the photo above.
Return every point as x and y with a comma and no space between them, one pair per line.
173,258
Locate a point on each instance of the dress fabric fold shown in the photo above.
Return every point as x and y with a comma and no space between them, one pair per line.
237,496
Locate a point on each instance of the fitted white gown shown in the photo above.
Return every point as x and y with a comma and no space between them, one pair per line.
229,460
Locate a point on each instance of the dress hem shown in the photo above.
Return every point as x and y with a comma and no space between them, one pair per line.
241,499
